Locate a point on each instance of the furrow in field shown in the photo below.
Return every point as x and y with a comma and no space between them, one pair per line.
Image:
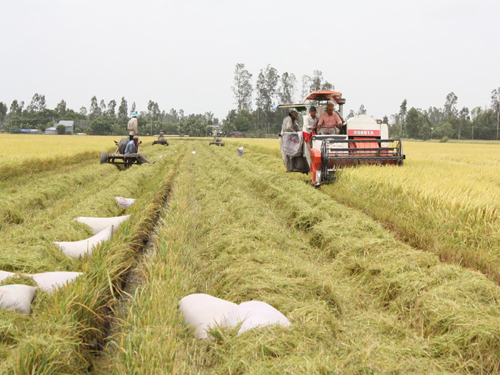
439,202
407,281
359,301
67,328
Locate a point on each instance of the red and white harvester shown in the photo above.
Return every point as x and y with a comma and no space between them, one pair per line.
362,140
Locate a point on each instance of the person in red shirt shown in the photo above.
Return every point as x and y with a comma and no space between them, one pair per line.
329,122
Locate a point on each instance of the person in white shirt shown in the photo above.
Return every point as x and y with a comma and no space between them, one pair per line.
309,128
310,124
289,125
132,126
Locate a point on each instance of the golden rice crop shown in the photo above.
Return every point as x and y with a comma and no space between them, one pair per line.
359,300
66,328
443,199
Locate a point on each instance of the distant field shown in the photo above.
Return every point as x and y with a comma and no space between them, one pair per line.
21,147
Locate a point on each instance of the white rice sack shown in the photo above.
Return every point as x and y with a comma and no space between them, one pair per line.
78,249
240,152
203,312
5,274
124,202
255,314
17,297
100,223
51,281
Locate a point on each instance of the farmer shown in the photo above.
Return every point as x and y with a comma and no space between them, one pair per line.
132,126
329,122
309,128
310,124
132,149
161,137
290,124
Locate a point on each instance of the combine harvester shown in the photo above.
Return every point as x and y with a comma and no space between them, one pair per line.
362,140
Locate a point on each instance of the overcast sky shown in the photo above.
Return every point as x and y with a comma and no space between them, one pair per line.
182,54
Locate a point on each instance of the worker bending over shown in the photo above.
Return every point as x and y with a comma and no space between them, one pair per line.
329,122
132,149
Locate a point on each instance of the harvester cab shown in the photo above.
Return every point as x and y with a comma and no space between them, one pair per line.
361,140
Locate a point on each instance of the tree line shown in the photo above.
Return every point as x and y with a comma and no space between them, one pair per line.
448,122
272,88
103,119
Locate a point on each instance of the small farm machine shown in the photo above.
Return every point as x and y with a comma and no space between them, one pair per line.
118,157
217,140
362,140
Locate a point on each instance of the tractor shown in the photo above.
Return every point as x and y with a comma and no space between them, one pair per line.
362,140
217,140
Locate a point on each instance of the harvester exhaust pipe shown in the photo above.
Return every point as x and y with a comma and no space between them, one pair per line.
341,107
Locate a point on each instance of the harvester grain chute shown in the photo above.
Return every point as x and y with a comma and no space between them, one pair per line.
361,140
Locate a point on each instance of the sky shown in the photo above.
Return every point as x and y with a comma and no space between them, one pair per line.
182,54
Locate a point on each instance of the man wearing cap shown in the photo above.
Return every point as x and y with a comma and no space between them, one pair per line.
329,122
132,149
132,126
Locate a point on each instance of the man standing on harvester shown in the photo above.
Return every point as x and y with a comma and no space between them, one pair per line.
133,127
132,149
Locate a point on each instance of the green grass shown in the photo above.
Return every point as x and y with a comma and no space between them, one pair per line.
359,300
66,329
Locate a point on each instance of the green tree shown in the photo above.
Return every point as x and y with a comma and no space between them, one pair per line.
102,106
266,87
132,110
95,111
123,109
495,106
402,116
243,121
242,89
37,104
100,126
463,118
413,123
3,112
111,108
362,110
286,90
61,108
350,115
450,106
228,126
61,129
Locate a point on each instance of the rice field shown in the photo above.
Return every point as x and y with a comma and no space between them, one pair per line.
386,271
